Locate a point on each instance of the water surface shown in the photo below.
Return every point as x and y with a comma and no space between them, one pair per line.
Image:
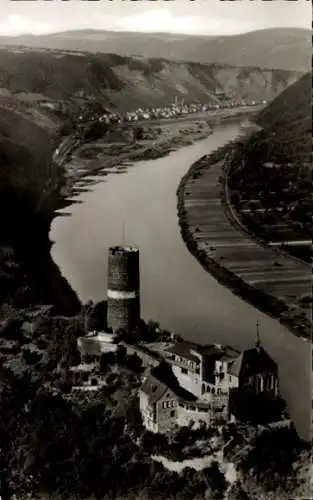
175,290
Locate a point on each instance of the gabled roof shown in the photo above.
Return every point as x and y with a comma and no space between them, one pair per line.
230,353
184,349
153,388
162,379
235,367
252,362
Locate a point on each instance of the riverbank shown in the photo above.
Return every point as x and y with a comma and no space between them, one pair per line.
236,260
116,150
101,157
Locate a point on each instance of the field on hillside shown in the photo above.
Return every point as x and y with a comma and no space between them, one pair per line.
217,237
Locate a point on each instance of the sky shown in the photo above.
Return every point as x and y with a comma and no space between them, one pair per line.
210,17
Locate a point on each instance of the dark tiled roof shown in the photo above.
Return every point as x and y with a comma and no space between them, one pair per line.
235,367
230,353
154,388
183,349
219,352
162,379
164,373
210,350
252,362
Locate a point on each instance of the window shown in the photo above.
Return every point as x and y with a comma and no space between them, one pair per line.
184,370
168,404
172,414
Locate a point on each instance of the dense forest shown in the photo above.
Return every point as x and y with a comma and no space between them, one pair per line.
29,181
71,444
287,123
270,179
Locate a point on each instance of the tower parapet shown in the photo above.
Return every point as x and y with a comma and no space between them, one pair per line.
123,288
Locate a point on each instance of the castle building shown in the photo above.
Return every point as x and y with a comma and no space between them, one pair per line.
210,384
164,405
123,302
256,371
123,288
203,370
257,398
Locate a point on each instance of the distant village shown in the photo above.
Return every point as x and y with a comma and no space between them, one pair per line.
93,111
182,383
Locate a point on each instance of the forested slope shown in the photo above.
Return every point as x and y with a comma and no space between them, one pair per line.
271,173
288,120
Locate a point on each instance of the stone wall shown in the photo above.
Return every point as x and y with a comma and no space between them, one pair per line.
167,412
123,313
123,288
188,413
149,359
147,412
190,381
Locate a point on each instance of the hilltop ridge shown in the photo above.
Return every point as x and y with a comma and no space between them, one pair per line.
127,82
274,48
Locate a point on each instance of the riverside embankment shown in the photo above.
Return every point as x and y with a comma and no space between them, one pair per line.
175,291
81,158
270,280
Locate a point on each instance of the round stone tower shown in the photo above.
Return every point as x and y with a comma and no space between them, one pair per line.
123,288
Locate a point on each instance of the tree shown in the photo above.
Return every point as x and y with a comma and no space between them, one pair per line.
134,362
105,361
121,354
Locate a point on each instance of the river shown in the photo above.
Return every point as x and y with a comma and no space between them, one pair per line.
175,290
